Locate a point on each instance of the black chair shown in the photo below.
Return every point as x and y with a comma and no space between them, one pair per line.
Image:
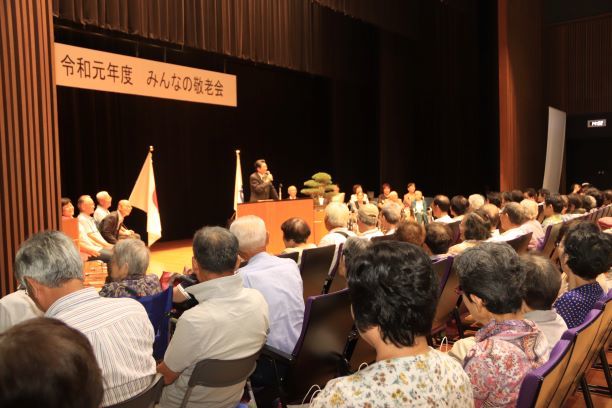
147,398
335,282
291,255
315,268
318,353
520,244
220,373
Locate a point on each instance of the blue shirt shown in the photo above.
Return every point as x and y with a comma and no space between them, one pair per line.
574,305
280,283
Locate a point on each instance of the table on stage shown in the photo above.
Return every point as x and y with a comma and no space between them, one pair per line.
274,213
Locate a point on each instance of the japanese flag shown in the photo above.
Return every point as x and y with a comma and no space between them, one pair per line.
144,197
238,194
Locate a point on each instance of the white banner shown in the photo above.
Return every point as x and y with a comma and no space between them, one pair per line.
554,150
85,68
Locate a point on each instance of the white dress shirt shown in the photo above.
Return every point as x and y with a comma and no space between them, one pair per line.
369,234
120,334
336,236
99,214
15,308
230,322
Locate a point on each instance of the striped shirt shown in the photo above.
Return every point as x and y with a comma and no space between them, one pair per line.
120,334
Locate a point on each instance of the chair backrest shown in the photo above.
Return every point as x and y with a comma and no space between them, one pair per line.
223,373
521,243
442,268
605,330
454,226
582,355
318,351
550,239
148,398
335,281
447,301
291,255
315,268
158,309
540,384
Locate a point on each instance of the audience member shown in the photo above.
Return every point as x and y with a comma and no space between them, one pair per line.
588,203
360,200
475,202
608,197
128,271
411,232
357,189
584,253
418,208
507,346
229,322
295,236
67,208
394,315
367,218
410,194
516,196
440,207
458,207
596,194
278,280
91,241
46,364
336,222
494,197
353,247
15,308
492,214
574,208
112,227
438,239
542,195
102,209
553,207
390,216
530,194
385,190
532,225
474,229
512,217
542,285
49,266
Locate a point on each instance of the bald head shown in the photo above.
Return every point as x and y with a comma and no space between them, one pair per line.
124,208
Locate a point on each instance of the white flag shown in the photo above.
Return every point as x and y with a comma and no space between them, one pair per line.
238,194
144,197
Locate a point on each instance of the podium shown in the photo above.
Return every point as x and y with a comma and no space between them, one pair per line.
274,213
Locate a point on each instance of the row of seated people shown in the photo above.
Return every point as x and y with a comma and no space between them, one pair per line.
238,312
99,229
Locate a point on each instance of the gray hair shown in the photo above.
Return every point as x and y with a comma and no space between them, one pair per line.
101,195
392,212
215,249
250,231
516,213
337,214
50,258
135,254
531,208
476,201
354,246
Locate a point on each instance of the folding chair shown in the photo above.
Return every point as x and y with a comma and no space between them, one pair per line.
147,398
315,269
520,244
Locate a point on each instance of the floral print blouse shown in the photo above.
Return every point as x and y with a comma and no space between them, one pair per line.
432,379
503,354
146,286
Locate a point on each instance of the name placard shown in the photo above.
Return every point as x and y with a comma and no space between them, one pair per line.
85,68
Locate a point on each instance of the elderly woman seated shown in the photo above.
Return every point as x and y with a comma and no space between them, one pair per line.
128,271
474,228
491,279
393,291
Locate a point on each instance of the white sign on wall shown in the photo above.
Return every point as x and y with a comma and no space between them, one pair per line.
85,68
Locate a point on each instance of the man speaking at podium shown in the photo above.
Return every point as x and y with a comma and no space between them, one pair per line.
261,183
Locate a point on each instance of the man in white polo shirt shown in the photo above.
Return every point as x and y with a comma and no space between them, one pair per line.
230,322
119,330
91,241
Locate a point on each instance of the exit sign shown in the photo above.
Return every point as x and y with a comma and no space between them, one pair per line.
596,123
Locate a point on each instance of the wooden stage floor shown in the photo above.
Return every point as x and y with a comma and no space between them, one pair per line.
170,256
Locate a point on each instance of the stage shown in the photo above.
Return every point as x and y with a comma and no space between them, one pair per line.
170,256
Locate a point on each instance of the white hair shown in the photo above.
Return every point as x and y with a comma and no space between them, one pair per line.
531,208
476,201
135,254
101,195
250,231
337,214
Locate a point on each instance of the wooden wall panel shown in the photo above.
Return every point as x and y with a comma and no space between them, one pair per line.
578,65
29,149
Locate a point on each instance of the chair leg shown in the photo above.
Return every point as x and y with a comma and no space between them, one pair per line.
186,397
586,393
606,368
457,318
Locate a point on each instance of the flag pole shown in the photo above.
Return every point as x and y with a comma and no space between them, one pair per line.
151,149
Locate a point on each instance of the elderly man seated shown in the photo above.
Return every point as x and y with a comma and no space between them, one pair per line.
367,219
336,221
91,241
230,322
512,217
50,267
112,227
390,216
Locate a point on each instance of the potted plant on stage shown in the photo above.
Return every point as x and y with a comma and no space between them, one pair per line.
320,188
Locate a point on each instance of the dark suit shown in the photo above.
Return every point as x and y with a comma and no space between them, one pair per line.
109,227
261,190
